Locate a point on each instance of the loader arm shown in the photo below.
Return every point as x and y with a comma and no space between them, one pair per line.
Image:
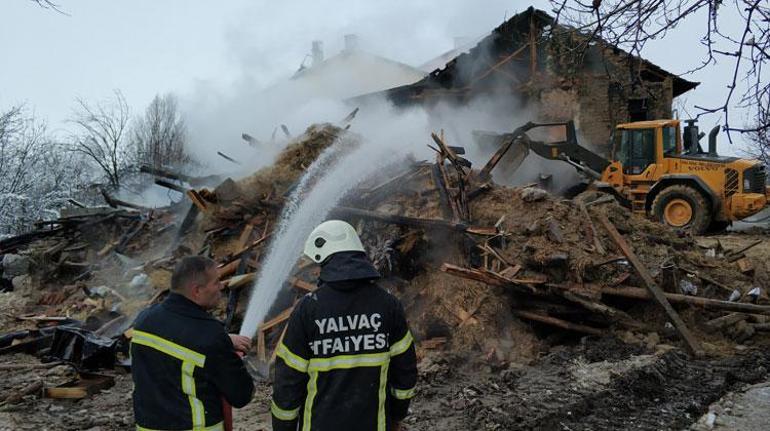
569,150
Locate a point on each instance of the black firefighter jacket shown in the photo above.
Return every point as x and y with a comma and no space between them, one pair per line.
347,361
183,363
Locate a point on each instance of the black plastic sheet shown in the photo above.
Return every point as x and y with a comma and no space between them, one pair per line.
83,349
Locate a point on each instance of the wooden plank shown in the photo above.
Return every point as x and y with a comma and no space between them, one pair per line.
85,385
491,278
281,317
170,185
726,320
732,256
693,345
237,256
745,265
280,340
302,284
644,294
245,235
413,221
559,323
197,200
238,281
261,354
591,228
497,65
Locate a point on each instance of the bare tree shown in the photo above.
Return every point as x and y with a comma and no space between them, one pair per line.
37,174
631,24
160,135
102,136
48,4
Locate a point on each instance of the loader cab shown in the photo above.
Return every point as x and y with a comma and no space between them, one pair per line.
641,144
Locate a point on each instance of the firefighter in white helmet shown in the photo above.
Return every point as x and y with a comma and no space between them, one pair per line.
347,361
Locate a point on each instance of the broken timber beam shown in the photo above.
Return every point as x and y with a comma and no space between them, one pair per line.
228,158
166,174
490,278
414,221
559,323
690,341
197,200
170,185
301,284
709,304
111,201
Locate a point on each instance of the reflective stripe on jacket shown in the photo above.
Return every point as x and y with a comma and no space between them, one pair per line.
183,363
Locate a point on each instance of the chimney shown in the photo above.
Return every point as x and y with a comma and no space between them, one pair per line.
351,43
318,52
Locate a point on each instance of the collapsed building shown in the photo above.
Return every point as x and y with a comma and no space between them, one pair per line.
492,278
555,71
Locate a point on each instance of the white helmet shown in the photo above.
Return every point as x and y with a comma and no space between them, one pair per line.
329,237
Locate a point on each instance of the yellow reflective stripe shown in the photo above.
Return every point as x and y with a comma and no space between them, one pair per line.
190,359
401,346
382,396
402,394
284,415
348,361
168,347
216,427
292,359
312,389
188,387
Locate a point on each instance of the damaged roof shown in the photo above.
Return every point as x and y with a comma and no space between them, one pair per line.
480,61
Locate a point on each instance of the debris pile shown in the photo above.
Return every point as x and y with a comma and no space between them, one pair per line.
488,273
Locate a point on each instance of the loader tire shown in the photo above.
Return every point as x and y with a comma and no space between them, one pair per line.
682,207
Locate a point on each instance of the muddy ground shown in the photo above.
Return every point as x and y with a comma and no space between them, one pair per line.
578,383
596,384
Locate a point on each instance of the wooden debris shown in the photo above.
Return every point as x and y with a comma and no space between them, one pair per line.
709,304
413,221
197,200
87,384
261,353
491,278
302,284
725,321
165,173
732,256
280,318
228,158
591,228
239,281
745,265
559,323
170,185
113,202
693,345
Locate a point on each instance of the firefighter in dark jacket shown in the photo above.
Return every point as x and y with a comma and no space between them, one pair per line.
183,361
347,360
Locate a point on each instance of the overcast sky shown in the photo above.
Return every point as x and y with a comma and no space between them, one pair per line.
144,47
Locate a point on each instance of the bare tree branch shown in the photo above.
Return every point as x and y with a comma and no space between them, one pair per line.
631,24
102,136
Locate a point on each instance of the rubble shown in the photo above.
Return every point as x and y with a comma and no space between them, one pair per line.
526,308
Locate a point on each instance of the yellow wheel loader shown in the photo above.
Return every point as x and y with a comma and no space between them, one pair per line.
654,170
